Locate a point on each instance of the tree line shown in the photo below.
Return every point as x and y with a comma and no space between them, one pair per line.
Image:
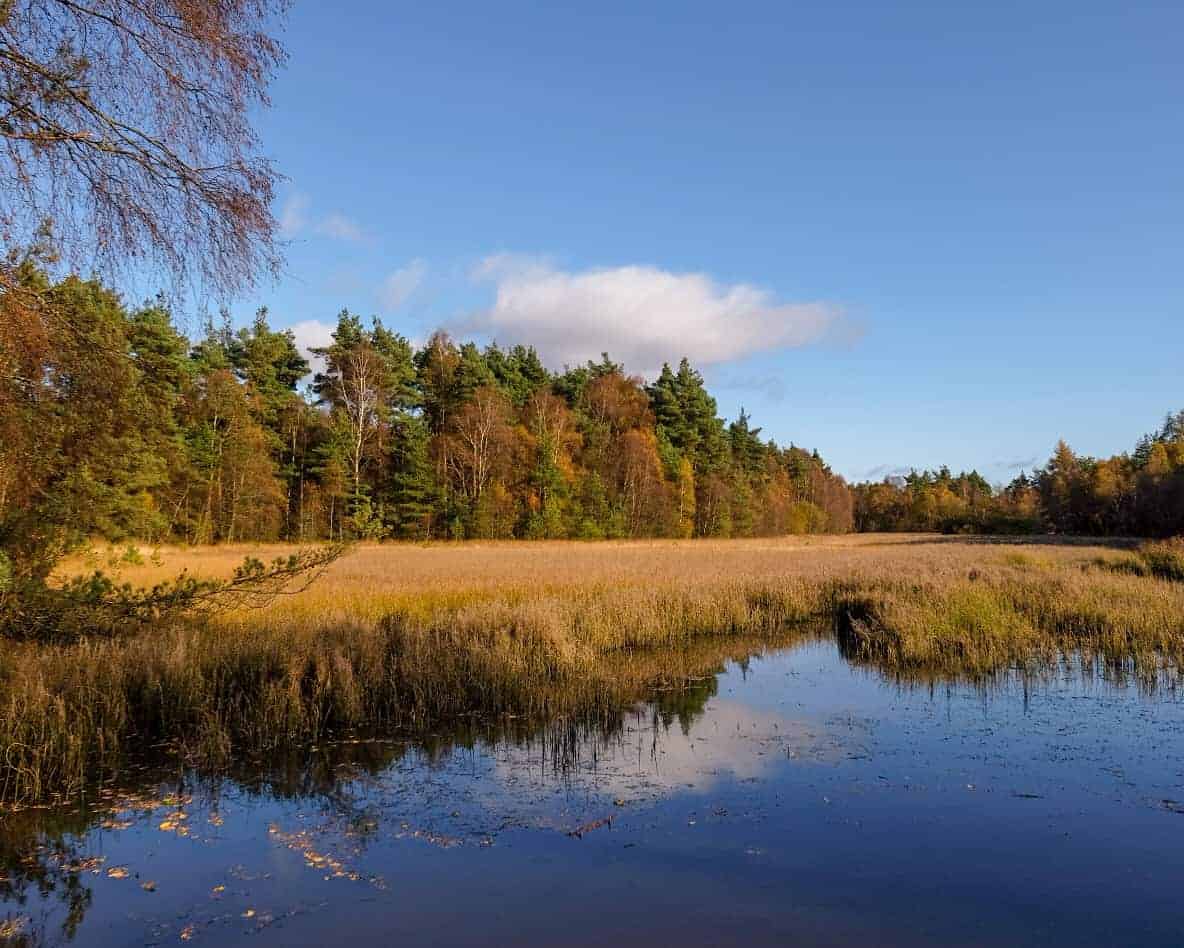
114,423
122,426
1136,493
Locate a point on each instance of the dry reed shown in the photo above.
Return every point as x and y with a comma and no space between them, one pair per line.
408,637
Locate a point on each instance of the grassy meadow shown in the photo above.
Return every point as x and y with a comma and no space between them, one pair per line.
414,636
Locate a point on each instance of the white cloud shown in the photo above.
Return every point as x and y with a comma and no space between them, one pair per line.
732,741
340,227
498,265
401,284
294,220
640,315
294,214
313,334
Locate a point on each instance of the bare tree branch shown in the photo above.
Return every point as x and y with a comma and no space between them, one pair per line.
126,125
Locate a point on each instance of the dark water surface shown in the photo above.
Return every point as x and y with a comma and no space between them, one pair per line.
795,799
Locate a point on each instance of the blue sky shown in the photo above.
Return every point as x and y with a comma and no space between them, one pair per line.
904,234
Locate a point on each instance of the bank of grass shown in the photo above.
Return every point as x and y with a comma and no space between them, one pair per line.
975,626
412,637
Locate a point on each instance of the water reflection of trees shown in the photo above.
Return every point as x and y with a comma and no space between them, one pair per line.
43,851
40,856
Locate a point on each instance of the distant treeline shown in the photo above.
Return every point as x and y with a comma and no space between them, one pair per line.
1135,494
114,423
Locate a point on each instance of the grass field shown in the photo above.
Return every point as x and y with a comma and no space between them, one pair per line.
409,636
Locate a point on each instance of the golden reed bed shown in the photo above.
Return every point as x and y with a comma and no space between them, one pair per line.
373,576
409,636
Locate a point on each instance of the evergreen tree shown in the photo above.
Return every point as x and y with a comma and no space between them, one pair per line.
518,371
413,495
747,450
270,363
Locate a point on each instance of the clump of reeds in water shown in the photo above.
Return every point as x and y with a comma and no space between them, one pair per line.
1025,618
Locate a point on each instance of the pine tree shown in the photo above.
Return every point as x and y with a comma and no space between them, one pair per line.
413,496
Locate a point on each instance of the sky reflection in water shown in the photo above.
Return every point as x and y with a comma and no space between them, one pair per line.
795,798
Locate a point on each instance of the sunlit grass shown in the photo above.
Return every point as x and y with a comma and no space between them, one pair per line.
410,636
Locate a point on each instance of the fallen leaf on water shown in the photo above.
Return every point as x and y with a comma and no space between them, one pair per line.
117,872
13,927
86,864
187,932
148,886
249,913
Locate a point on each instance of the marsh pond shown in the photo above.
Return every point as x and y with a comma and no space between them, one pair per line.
785,797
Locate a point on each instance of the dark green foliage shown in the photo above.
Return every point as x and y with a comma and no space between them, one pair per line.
518,371
269,362
685,415
412,492
572,382
748,451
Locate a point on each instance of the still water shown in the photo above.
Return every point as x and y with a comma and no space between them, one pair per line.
792,798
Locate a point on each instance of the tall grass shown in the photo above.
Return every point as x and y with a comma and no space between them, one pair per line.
69,713
409,637
975,626
1164,559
